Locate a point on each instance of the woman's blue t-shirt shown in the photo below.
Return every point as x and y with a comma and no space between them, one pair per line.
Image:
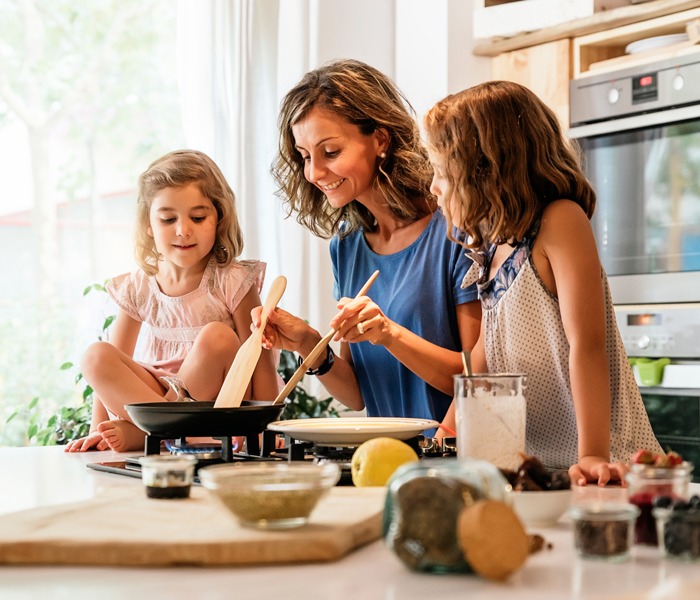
418,288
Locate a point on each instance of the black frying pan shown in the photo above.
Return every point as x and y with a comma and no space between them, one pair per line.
177,419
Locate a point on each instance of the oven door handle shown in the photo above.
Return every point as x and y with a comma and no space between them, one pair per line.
662,117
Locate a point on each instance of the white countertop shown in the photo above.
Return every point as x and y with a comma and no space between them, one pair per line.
33,477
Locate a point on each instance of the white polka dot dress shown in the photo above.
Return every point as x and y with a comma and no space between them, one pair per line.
524,334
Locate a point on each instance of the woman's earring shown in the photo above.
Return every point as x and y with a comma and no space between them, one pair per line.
382,155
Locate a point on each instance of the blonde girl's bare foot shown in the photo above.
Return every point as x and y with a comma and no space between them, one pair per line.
122,436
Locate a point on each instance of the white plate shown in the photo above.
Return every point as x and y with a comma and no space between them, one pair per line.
351,431
658,41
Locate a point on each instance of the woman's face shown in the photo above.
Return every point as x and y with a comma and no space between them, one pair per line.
338,159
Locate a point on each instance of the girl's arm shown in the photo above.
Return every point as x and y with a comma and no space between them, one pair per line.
568,245
264,383
124,333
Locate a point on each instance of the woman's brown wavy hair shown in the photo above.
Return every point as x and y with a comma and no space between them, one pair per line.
505,159
363,96
176,169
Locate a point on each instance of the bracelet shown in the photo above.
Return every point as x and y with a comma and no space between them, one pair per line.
324,367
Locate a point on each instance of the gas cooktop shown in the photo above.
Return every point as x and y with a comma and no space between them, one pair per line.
293,450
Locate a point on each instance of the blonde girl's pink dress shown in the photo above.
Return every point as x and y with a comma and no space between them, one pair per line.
174,322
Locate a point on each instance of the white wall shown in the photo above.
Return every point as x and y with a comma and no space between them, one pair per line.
425,45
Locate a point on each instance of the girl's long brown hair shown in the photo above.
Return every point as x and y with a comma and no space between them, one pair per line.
505,159
361,95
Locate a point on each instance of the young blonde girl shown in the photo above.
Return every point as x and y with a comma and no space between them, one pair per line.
191,291
509,180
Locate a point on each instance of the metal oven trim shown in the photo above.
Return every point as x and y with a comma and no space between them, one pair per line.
652,119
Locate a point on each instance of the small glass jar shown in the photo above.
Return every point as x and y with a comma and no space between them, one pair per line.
678,530
423,503
645,484
604,531
167,477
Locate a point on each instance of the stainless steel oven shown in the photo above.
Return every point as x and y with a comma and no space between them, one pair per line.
639,131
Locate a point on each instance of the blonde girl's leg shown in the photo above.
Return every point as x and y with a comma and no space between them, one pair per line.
205,366
204,369
118,380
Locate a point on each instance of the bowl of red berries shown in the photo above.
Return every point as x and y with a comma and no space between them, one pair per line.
653,476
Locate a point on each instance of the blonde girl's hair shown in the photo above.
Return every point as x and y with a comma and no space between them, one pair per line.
505,159
363,96
176,169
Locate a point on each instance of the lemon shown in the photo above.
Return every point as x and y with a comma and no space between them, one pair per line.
375,460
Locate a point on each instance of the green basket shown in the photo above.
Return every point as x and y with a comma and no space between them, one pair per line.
650,371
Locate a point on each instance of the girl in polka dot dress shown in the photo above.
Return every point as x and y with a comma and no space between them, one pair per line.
510,182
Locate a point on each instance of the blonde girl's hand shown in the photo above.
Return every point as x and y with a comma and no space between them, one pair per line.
92,440
284,331
597,469
361,320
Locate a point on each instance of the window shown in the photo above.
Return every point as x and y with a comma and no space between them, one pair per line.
88,98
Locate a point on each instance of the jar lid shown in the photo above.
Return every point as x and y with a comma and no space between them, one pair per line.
653,472
168,461
596,511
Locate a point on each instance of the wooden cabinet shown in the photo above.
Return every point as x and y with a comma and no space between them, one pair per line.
547,59
606,51
544,68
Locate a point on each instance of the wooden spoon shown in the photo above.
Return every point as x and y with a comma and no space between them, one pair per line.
318,348
239,375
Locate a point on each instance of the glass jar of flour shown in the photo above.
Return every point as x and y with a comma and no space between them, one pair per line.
490,412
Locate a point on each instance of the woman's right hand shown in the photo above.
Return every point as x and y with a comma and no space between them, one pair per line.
376,327
90,441
284,331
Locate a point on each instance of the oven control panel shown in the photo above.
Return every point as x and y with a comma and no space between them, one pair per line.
634,90
671,330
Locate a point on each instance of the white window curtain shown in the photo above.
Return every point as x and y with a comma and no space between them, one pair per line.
237,59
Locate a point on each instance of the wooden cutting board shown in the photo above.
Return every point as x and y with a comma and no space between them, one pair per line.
124,527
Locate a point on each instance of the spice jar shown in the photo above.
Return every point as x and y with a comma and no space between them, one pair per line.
167,477
647,482
423,503
604,531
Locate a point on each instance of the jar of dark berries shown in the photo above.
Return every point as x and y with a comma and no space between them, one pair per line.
604,531
646,483
678,527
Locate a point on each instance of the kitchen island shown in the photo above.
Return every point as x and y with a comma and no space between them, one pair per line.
36,477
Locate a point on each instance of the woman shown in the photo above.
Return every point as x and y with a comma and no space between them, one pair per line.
351,166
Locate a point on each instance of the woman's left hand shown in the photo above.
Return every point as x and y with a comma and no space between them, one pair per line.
596,468
361,320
